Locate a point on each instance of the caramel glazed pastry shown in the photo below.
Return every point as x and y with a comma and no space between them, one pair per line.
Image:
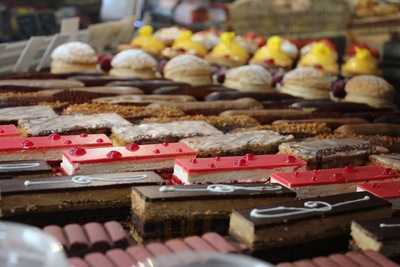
133,63
74,57
250,78
307,82
188,69
371,90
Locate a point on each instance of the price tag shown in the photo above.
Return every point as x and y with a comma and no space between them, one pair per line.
56,41
32,51
70,25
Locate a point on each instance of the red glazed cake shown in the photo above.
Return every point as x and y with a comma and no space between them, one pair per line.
229,169
332,181
48,148
8,130
120,159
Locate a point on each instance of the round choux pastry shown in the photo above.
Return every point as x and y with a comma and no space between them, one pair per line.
369,89
147,42
209,39
168,35
74,57
307,82
188,69
133,63
228,52
249,78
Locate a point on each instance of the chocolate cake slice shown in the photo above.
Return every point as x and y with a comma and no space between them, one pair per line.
195,209
72,124
155,133
13,114
330,153
381,236
71,198
317,225
257,142
24,169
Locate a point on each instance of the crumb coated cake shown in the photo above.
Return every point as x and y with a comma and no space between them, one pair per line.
155,133
257,142
129,112
13,114
222,123
329,153
72,124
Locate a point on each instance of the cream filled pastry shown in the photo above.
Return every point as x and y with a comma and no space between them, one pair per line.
308,83
371,90
74,57
250,78
189,69
133,63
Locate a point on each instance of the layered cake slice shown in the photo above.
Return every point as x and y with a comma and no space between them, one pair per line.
387,160
130,158
13,114
332,181
24,169
388,190
330,153
196,209
71,198
155,133
381,236
230,169
49,148
8,130
316,225
257,142
72,124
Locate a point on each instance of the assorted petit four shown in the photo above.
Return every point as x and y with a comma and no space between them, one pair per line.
156,133
278,230
331,181
64,199
132,157
48,148
380,236
240,143
196,209
233,169
330,153
72,124
387,190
